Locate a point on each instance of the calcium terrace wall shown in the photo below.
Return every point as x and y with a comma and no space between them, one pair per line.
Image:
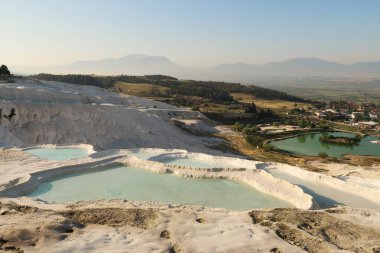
371,194
31,183
261,180
258,179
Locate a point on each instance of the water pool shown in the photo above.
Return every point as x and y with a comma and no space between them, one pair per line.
145,155
324,194
310,145
167,158
139,184
58,154
195,163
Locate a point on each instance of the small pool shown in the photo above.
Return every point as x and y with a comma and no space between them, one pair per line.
146,155
58,154
139,184
195,163
183,160
310,145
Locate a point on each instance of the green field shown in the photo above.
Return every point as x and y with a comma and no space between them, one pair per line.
351,89
273,104
142,89
350,94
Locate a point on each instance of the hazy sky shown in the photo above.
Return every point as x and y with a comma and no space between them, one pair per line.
189,32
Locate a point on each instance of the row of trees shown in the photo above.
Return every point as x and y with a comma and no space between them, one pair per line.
105,81
212,93
99,81
265,93
250,108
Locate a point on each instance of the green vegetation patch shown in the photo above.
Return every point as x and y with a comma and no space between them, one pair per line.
142,89
341,140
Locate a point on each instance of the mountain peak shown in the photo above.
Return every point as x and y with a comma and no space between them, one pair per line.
306,60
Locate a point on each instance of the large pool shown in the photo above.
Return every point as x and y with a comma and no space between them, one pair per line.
139,184
58,154
310,145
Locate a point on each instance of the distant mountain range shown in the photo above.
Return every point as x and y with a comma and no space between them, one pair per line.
139,64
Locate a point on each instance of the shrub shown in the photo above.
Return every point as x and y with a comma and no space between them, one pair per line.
324,127
323,154
195,108
254,140
250,130
268,147
302,123
238,126
357,137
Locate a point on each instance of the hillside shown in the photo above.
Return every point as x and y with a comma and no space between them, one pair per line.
62,113
214,91
142,89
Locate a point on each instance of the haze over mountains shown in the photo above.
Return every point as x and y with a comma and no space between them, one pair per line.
139,64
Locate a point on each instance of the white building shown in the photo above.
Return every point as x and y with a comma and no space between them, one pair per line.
355,115
373,116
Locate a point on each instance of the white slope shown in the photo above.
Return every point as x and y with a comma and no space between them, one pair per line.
61,113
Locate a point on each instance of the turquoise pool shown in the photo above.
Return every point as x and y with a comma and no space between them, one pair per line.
58,154
310,145
139,184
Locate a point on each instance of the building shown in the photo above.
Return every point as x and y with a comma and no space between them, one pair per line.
320,114
367,124
373,116
355,115
331,115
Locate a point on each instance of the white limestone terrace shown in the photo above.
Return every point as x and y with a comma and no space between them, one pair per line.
21,173
358,192
216,162
17,166
67,114
30,172
354,193
61,113
258,179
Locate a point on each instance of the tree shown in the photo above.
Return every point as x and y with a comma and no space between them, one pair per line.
4,70
250,108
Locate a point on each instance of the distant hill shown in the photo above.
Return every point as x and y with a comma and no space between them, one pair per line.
300,67
138,64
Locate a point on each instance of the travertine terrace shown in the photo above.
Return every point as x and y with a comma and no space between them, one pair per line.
114,128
